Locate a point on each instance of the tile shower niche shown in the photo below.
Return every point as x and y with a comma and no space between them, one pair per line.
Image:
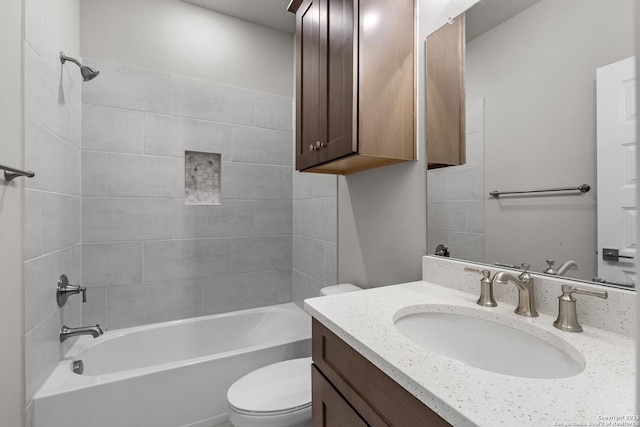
202,178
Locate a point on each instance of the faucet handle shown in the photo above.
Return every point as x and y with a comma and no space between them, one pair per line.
64,290
567,316
442,250
525,276
549,269
486,287
485,273
568,290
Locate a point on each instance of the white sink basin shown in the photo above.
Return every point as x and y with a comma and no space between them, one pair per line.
490,345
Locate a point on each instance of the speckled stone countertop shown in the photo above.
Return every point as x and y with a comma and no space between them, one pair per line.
468,396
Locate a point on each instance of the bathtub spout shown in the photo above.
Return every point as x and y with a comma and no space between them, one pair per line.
66,332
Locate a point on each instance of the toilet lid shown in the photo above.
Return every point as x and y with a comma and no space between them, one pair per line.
281,387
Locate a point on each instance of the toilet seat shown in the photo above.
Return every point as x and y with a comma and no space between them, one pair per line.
278,389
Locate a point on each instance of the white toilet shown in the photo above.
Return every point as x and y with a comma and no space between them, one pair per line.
277,395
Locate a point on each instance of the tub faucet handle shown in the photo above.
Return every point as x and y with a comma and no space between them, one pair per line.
64,290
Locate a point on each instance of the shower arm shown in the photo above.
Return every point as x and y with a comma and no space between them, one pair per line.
64,58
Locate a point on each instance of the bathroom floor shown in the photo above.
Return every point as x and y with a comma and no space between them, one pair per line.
227,424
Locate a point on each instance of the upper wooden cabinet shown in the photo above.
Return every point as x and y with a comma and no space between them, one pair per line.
446,95
355,84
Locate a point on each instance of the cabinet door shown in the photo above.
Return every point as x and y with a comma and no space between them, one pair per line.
375,396
326,114
307,84
329,407
446,129
338,43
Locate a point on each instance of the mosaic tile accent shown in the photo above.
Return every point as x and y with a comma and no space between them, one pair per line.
202,178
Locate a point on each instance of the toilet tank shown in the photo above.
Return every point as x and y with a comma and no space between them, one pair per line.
339,289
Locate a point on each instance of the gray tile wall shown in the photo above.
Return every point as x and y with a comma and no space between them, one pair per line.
315,233
455,196
146,256
52,204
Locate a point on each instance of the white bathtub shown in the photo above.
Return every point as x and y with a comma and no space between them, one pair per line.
168,374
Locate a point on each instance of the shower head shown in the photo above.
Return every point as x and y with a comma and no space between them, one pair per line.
88,73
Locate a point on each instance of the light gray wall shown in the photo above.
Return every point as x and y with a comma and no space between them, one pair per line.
382,224
315,230
51,239
455,196
315,234
148,257
538,81
147,49
179,38
11,150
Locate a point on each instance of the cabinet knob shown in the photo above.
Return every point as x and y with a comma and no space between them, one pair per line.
318,145
312,147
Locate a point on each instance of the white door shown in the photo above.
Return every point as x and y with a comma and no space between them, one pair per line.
616,110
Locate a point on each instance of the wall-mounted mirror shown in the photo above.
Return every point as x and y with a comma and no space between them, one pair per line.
539,77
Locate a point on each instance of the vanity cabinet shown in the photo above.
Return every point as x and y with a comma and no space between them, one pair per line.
348,390
355,84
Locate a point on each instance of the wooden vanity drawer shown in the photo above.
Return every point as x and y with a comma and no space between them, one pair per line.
330,409
378,399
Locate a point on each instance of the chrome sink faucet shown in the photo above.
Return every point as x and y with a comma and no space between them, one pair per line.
524,283
568,265
66,332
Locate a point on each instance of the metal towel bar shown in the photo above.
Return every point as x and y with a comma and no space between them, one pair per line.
582,188
11,173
